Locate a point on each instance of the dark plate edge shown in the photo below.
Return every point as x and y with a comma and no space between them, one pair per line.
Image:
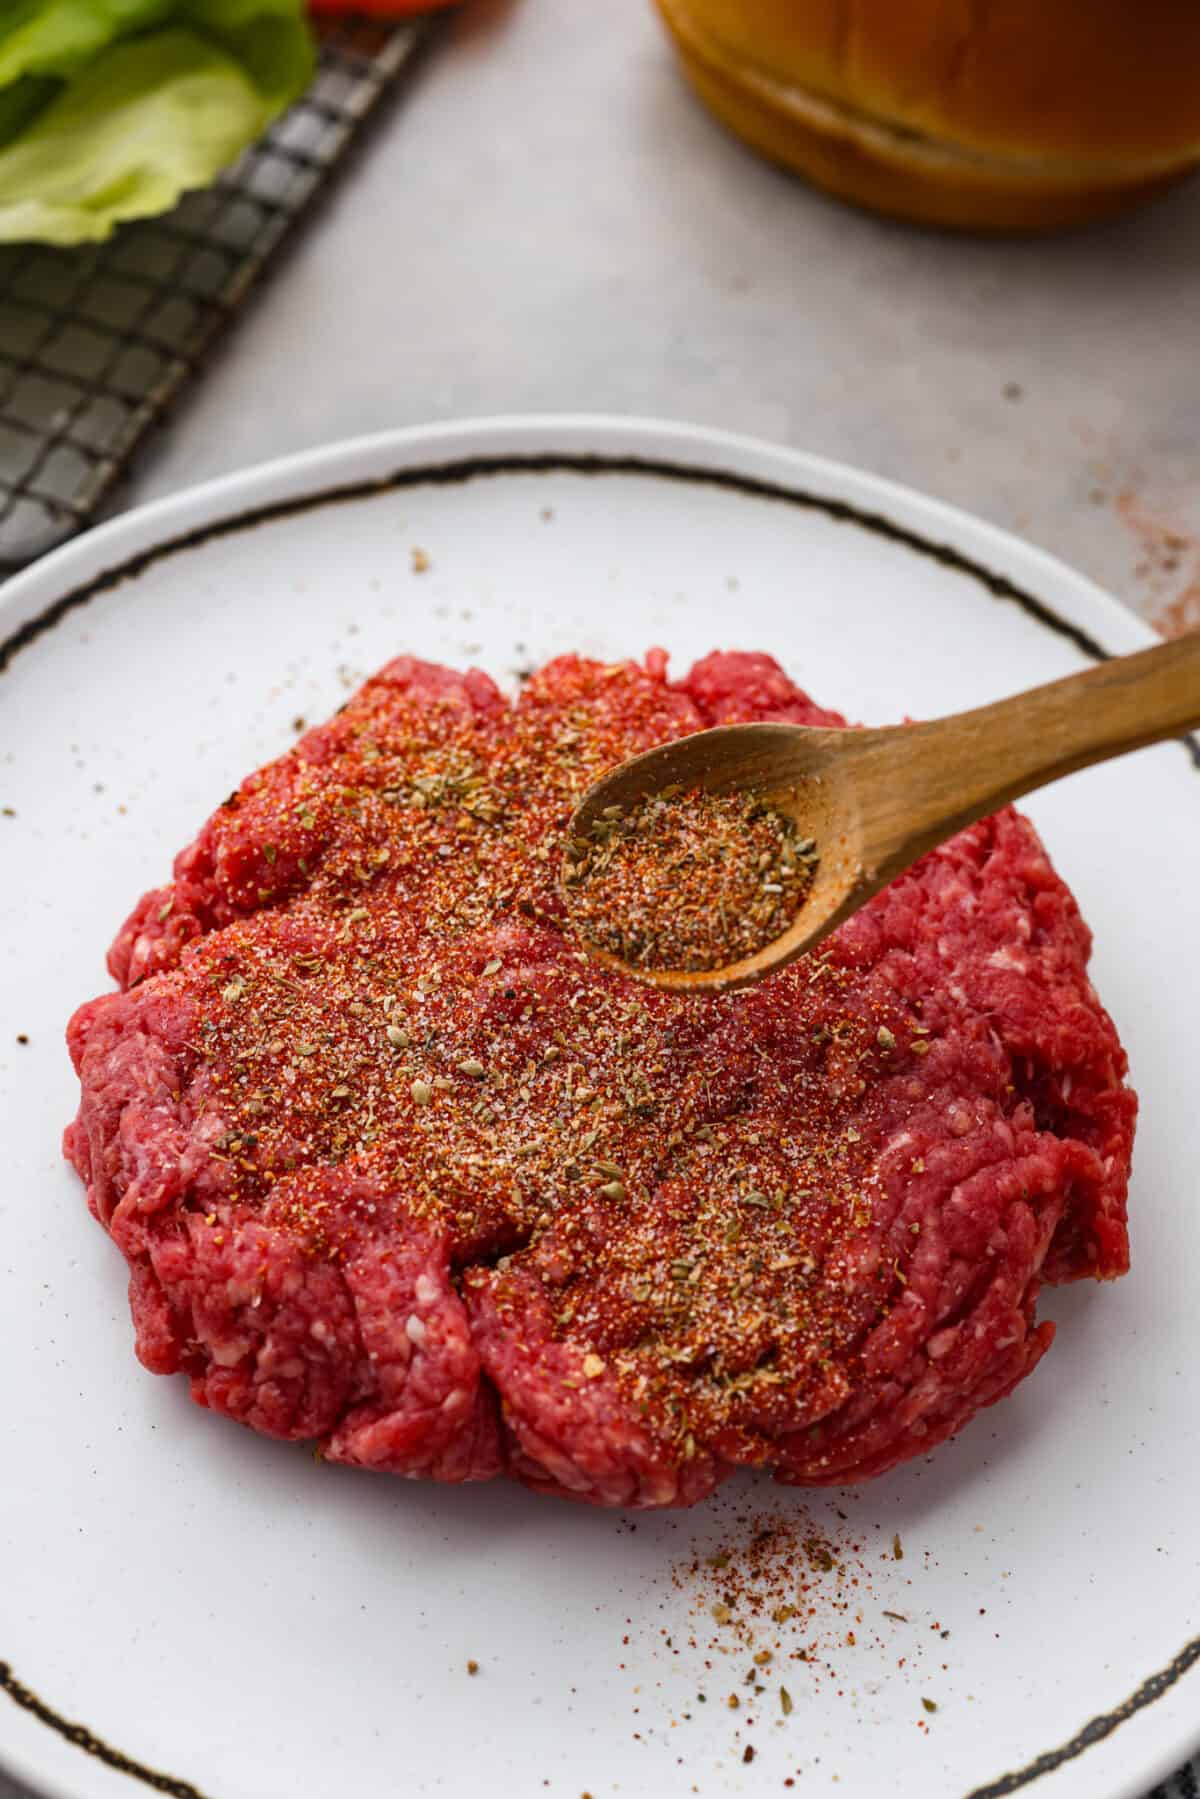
455,473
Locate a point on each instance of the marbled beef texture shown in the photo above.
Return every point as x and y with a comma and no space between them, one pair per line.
396,1167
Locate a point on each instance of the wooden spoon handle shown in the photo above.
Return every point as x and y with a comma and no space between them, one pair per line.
951,771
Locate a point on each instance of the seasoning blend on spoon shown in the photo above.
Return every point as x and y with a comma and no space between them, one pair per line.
709,862
688,879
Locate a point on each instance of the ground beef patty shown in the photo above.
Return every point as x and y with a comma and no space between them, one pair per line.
396,1167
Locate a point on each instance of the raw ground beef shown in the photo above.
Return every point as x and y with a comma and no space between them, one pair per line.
396,1167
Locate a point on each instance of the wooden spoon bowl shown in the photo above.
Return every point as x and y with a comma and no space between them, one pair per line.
877,800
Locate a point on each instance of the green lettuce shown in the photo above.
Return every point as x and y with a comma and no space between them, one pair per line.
111,109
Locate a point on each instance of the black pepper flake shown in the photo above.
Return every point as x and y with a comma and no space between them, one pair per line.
22,1037
748,1753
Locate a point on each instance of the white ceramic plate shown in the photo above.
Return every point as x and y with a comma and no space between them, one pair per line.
260,1627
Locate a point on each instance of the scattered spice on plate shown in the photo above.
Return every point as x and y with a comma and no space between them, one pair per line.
421,563
472,1666
688,879
778,1591
781,1614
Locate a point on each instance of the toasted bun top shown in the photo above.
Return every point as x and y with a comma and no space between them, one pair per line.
1094,79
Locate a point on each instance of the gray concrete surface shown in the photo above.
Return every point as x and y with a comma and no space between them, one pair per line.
550,222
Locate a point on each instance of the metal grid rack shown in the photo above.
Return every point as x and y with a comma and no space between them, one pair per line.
96,343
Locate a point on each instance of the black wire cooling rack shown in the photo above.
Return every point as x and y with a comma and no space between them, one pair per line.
96,343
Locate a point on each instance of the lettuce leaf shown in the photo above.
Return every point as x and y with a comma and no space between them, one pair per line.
111,109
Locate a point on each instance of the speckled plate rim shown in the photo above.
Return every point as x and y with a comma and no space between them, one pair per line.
452,453
448,453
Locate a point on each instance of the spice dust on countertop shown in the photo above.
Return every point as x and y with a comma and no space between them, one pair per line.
1168,565
1161,515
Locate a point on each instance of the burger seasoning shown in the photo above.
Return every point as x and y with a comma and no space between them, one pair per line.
688,880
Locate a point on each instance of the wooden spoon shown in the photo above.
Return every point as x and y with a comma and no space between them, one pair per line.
875,801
